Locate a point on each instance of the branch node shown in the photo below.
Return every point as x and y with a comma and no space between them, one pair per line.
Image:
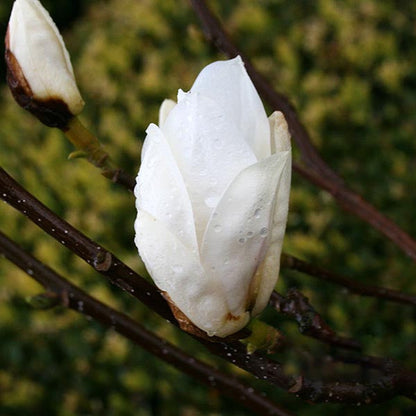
297,386
46,300
103,261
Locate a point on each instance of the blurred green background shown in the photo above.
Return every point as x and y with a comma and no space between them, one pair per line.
348,66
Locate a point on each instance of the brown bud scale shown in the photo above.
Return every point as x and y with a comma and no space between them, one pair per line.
186,325
52,111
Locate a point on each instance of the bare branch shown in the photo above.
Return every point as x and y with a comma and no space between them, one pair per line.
353,286
297,306
94,254
124,179
319,173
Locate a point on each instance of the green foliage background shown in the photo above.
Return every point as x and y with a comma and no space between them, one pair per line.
349,68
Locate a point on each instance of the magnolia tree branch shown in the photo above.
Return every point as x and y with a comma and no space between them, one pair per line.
318,172
100,259
123,178
398,382
353,286
74,298
297,306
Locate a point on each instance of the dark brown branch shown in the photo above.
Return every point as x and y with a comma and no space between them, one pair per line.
94,254
122,178
385,388
353,286
376,363
357,205
319,173
297,306
74,298
402,383
393,374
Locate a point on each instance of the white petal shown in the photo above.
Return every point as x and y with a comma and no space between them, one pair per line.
240,228
181,94
209,152
177,270
161,191
228,83
40,50
280,136
268,271
166,107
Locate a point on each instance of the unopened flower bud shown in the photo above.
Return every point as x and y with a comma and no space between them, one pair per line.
39,70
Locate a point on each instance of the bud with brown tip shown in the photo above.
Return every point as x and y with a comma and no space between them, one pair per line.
39,70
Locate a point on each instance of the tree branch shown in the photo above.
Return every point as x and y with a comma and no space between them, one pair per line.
353,286
74,298
94,254
319,173
297,306
122,178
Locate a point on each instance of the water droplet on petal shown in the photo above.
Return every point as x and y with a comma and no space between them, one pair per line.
213,181
217,228
242,240
211,201
250,234
264,231
257,213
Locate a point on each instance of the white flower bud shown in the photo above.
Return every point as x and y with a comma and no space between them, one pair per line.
40,73
212,199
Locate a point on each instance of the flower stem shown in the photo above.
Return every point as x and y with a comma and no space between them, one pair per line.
86,142
88,146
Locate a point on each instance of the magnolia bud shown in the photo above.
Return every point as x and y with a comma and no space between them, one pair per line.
39,70
212,200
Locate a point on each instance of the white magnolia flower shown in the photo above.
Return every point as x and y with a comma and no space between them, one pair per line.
40,73
212,199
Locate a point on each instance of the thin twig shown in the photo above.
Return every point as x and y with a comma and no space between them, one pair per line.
319,173
297,306
124,179
353,286
401,382
74,298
